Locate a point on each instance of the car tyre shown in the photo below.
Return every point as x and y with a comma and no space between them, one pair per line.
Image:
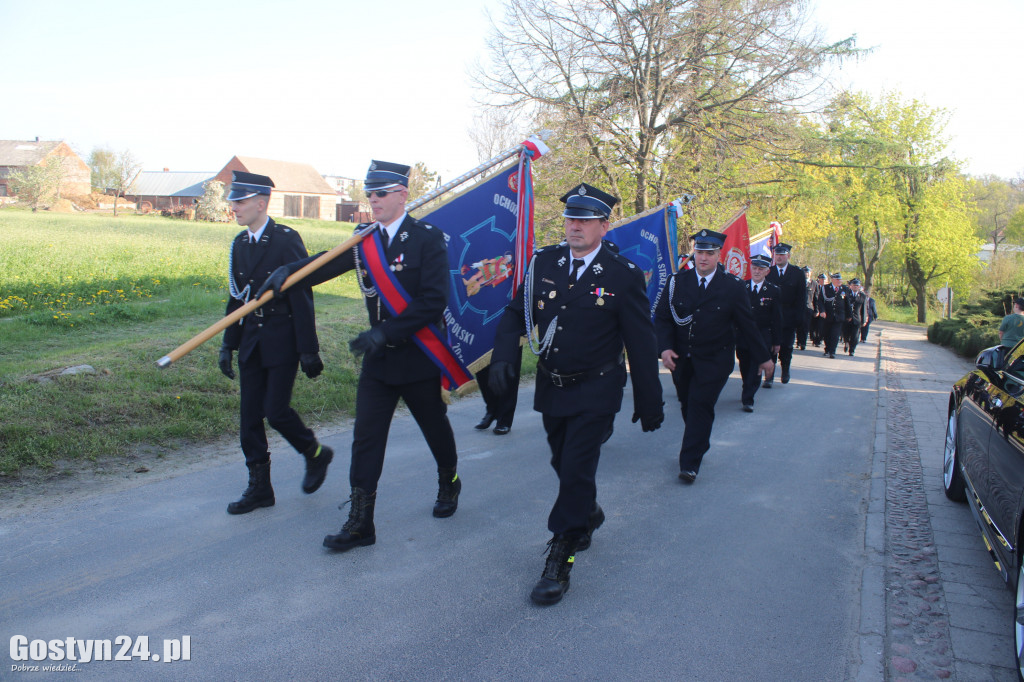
952,476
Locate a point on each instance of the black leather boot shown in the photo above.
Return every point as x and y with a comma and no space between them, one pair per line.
318,457
358,531
554,582
258,494
448,488
594,522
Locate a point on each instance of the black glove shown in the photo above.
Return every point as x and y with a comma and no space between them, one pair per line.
371,342
274,282
224,362
649,422
501,376
311,364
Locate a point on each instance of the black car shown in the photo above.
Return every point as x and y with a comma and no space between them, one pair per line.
983,463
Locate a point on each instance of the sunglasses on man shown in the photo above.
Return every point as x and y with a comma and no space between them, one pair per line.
381,193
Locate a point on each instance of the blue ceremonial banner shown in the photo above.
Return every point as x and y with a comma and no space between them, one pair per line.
480,228
651,242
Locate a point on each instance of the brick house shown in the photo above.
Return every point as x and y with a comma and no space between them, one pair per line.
299,190
18,154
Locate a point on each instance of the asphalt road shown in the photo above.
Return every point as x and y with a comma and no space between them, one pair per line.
753,572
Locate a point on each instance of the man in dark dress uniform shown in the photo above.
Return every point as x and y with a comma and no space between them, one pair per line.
764,302
833,304
697,320
588,302
803,329
857,315
817,316
394,366
870,315
791,282
272,343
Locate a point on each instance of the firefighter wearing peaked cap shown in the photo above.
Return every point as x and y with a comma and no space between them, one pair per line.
272,343
764,302
834,302
589,304
393,366
695,322
793,285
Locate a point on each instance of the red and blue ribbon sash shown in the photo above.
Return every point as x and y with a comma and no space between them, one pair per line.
533,148
396,299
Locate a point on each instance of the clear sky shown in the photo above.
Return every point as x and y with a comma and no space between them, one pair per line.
186,85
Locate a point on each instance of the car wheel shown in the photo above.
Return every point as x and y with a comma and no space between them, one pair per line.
1018,624
952,477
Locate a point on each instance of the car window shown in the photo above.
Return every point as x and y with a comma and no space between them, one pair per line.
1014,362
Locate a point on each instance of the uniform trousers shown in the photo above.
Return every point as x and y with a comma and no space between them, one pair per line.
803,328
786,348
266,392
832,328
851,333
817,324
864,331
575,449
697,398
750,369
375,406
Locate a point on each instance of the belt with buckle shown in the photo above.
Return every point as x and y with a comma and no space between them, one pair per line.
274,310
565,380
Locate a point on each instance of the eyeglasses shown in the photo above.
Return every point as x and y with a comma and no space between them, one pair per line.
381,193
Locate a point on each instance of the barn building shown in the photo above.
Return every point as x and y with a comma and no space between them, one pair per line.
299,190
19,154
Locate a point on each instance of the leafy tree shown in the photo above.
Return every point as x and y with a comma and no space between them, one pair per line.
637,83
892,189
102,161
40,184
998,201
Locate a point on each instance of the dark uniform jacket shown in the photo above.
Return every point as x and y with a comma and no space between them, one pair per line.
858,307
835,304
793,287
708,322
285,327
419,259
767,313
605,310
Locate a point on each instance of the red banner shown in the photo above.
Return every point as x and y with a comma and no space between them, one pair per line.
736,252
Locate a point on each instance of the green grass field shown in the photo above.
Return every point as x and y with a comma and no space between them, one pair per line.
118,294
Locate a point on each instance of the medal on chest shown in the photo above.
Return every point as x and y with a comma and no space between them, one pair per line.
398,263
601,292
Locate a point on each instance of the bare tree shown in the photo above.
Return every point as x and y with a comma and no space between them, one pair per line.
422,180
494,131
633,80
126,168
